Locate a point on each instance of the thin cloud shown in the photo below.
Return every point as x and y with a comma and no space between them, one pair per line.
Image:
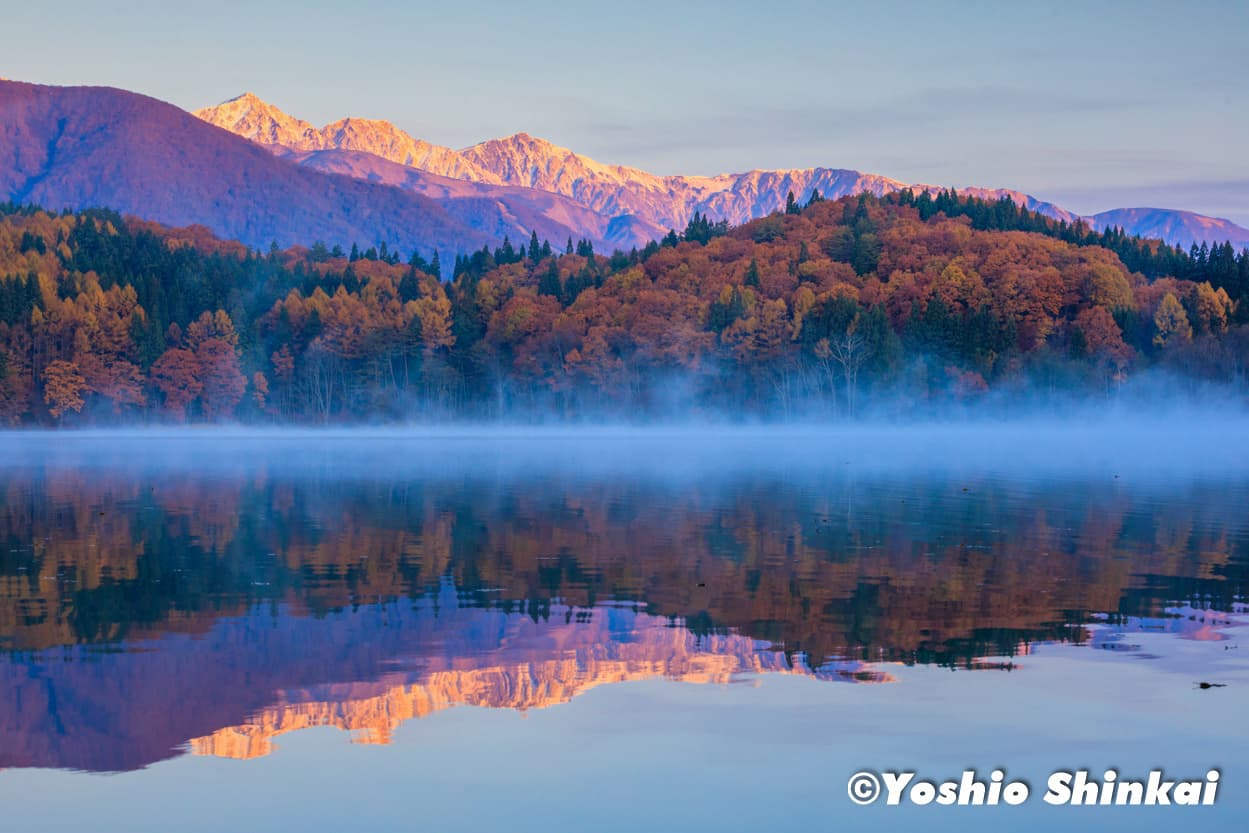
801,127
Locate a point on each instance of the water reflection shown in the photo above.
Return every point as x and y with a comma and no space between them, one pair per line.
466,656
183,597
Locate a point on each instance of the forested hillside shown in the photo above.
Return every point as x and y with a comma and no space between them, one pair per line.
829,309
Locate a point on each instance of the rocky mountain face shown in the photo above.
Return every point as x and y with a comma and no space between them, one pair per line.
644,203
261,122
670,201
251,118
640,204
667,202
497,210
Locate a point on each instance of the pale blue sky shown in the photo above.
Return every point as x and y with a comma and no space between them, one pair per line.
1092,105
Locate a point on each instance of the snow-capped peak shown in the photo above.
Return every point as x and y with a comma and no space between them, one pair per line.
656,202
253,118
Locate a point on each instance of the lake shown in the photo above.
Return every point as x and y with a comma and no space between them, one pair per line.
617,629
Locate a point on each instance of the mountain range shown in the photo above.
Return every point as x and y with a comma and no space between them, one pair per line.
642,205
249,171
652,204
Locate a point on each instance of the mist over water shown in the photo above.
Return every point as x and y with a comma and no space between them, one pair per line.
922,593
1155,444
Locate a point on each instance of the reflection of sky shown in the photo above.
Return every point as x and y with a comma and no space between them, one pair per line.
1083,100
661,755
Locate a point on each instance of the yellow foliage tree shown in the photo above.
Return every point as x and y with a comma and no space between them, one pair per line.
1212,308
63,386
1171,322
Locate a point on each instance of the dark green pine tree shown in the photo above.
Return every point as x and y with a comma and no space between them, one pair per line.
549,283
698,229
409,286
752,274
506,253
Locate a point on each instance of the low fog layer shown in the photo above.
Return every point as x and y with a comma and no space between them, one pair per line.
1168,443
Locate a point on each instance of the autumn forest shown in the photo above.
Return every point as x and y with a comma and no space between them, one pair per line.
831,310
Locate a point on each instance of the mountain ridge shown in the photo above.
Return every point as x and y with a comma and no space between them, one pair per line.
86,147
497,210
1172,224
653,201
251,117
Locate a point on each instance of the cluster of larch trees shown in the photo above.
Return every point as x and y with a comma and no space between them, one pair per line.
822,309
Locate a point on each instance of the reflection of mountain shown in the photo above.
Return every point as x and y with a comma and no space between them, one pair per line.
367,670
539,665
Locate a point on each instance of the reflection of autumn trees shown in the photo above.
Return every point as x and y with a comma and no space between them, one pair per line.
863,570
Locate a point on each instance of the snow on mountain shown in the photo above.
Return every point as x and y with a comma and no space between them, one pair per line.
497,210
635,203
252,118
664,201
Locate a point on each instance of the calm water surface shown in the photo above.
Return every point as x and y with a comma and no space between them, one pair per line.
614,630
